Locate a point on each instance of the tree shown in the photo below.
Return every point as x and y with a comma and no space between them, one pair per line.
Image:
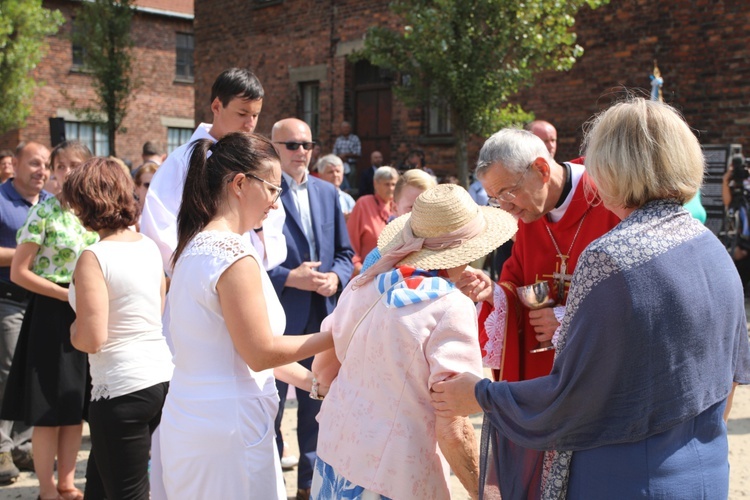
102,31
23,26
475,55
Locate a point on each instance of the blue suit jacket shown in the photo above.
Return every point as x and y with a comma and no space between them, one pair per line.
334,252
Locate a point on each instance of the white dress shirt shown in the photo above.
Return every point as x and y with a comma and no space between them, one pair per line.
302,202
159,219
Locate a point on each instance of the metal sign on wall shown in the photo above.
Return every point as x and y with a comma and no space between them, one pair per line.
718,157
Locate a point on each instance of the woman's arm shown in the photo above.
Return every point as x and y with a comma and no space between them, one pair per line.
297,375
21,274
294,374
244,308
89,332
326,367
457,441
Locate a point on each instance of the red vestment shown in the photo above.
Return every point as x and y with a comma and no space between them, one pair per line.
535,258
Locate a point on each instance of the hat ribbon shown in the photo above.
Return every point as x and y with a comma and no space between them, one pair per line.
411,243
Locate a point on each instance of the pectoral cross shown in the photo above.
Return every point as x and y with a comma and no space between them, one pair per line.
561,278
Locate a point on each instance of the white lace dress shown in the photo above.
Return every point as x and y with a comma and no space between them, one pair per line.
217,437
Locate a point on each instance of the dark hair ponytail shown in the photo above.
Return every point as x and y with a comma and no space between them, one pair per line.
211,167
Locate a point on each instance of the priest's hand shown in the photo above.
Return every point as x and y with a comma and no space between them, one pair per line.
476,285
544,323
454,397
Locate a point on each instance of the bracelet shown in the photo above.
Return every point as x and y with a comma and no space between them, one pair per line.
314,390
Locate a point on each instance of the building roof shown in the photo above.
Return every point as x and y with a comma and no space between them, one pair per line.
183,7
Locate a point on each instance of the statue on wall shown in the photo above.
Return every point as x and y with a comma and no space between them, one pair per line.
656,83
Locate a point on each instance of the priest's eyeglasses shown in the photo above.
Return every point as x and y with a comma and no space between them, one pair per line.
275,190
509,195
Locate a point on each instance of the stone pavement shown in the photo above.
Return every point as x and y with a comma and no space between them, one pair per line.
739,451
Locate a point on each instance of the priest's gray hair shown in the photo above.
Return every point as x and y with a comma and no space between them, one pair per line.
513,149
641,150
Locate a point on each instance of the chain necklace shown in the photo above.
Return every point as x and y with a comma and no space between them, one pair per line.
562,276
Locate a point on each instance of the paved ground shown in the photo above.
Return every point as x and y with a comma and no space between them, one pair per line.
739,450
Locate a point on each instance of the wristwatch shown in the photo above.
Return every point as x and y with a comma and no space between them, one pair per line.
314,390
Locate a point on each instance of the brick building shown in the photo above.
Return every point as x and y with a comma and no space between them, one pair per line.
298,49
162,109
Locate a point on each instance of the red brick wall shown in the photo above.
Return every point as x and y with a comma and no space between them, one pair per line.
700,46
158,95
702,52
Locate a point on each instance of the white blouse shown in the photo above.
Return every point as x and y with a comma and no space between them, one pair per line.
135,355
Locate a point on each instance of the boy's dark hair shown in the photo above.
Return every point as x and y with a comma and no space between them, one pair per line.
236,82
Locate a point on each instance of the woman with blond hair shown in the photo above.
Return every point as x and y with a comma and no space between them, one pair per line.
653,342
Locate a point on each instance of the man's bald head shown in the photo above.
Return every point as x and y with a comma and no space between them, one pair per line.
546,132
290,131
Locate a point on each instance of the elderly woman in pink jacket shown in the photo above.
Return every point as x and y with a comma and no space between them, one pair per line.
398,329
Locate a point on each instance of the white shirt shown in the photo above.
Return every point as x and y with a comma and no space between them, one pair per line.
159,219
302,202
135,355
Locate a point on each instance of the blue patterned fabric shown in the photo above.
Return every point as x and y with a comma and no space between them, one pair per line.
371,259
653,336
415,286
327,485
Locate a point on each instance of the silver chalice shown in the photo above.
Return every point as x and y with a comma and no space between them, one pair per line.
537,296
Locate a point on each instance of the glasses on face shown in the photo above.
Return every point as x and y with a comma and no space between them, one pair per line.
276,190
294,146
508,195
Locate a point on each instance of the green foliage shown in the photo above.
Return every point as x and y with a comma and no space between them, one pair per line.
23,26
102,30
475,54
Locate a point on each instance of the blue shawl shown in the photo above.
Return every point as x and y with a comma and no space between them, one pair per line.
654,334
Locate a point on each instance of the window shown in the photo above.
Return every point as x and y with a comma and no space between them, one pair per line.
439,118
184,59
79,53
310,106
176,137
93,135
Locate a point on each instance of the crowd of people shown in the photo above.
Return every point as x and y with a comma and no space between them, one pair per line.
173,307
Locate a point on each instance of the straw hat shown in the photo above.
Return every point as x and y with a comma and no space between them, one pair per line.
441,210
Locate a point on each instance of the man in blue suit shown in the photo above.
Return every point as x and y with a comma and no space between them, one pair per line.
318,264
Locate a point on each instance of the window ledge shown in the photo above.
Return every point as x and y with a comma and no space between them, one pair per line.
82,70
183,80
259,4
437,139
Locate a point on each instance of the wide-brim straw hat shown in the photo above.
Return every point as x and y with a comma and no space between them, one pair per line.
441,210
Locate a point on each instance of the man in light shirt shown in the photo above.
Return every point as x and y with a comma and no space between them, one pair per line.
236,102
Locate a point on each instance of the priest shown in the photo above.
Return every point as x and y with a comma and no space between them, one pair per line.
559,214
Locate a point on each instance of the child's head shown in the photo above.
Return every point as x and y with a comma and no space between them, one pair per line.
66,157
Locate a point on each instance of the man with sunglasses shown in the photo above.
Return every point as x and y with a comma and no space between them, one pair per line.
318,264
559,216
236,102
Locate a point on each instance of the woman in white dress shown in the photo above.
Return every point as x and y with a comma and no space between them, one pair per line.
217,438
